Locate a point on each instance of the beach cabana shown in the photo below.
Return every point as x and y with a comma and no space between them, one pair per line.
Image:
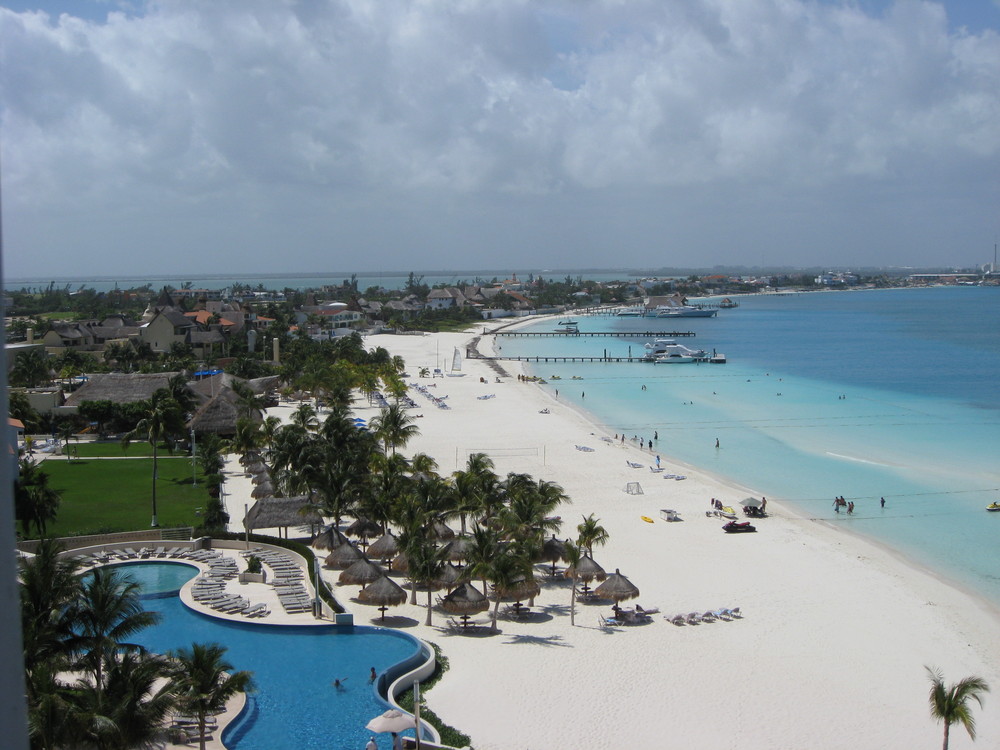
280,513
617,587
587,570
440,532
330,538
384,547
457,549
364,530
383,593
553,550
465,600
343,557
361,573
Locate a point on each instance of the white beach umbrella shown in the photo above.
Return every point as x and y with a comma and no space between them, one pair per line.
391,721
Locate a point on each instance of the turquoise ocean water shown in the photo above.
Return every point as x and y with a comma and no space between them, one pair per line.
863,394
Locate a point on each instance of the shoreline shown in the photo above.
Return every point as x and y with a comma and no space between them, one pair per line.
824,611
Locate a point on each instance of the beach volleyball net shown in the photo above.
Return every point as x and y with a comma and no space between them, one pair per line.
525,454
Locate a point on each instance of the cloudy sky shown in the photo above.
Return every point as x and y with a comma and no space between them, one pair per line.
186,136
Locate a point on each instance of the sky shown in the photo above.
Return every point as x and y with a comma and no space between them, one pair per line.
293,136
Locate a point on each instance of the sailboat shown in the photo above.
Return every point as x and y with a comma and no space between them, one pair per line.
456,365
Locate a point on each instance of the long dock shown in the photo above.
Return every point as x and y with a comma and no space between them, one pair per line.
601,334
550,358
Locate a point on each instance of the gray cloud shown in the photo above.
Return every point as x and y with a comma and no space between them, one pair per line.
316,135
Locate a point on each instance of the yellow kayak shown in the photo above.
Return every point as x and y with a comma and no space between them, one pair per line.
647,519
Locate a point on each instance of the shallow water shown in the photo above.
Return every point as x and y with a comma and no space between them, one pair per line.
866,395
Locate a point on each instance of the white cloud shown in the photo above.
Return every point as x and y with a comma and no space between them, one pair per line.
176,115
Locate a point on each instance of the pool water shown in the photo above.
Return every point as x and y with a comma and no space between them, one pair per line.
295,706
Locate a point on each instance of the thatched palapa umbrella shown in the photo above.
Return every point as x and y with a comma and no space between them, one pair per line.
264,489
259,477
523,587
250,457
587,570
384,547
364,530
361,573
440,532
450,575
343,557
458,548
401,563
617,587
384,592
330,538
553,550
465,600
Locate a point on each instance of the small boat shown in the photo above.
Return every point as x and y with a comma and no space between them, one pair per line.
647,519
668,351
993,507
727,512
631,312
738,527
567,328
678,311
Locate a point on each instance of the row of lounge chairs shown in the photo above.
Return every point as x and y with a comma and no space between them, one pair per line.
287,579
211,592
714,615
438,400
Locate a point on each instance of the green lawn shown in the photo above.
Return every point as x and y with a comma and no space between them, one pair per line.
100,496
114,448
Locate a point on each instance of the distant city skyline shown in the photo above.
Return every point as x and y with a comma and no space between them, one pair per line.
250,137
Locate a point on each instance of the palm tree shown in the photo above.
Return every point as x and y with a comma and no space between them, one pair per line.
130,710
506,570
163,420
590,533
48,585
426,562
951,704
204,681
573,553
394,427
35,502
30,368
107,611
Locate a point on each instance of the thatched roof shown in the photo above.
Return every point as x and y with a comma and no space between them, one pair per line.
329,538
384,547
343,556
384,593
617,587
361,573
587,570
364,529
466,599
274,512
120,388
218,416
210,386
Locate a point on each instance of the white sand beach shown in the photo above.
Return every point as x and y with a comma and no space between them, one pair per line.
829,653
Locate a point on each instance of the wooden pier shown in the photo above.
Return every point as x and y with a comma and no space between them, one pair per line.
550,358
600,334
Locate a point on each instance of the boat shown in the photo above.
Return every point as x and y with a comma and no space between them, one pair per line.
738,527
568,323
993,507
726,511
567,328
676,311
647,519
663,347
456,365
631,312
673,359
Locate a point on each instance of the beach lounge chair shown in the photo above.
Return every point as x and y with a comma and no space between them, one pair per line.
677,619
634,465
655,469
585,448
694,618
608,622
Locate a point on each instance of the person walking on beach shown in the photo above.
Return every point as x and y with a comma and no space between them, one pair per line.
836,505
657,462
763,504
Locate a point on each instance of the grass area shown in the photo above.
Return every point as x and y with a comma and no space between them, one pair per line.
100,496
114,448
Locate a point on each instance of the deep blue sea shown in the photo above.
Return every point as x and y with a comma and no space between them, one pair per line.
865,394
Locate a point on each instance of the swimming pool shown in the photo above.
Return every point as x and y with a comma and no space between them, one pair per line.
296,706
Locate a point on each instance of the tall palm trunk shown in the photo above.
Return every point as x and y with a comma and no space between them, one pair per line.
947,729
